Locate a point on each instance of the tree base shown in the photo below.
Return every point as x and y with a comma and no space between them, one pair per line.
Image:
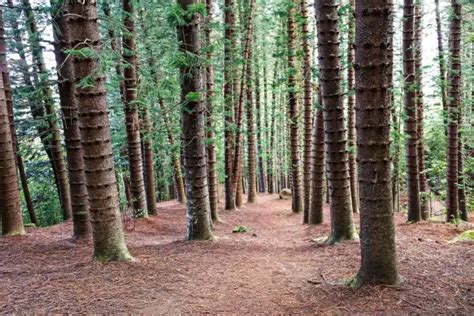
334,239
361,279
13,233
121,255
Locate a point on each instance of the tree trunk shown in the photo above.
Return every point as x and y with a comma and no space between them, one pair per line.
229,51
420,112
411,142
109,241
454,99
10,212
293,115
251,154
463,213
48,101
378,264
149,164
442,66
317,179
211,147
307,104
26,191
193,116
342,226
259,109
132,120
271,174
351,137
72,133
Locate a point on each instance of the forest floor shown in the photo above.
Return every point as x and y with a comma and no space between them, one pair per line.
273,268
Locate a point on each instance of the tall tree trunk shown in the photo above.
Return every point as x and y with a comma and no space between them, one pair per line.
463,213
251,154
211,147
107,232
10,212
308,114
351,137
238,148
342,226
271,174
193,116
47,95
378,264
442,65
420,111
293,115
411,142
149,164
259,109
132,120
454,97
317,169
229,51
72,133
26,191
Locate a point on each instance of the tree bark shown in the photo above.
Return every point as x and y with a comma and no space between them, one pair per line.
149,164
108,237
211,147
377,239
259,109
351,137
293,115
10,212
132,120
317,169
48,101
411,142
229,51
420,111
308,113
454,104
342,226
72,133
193,116
442,65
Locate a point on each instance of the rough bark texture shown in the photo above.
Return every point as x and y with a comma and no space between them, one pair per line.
317,169
351,135
251,154
271,174
293,115
211,147
48,101
342,226
463,212
259,109
132,120
150,187
411,142
72,133
10,212
193,117
420,111
377,239
307,105
454,104
229,49
442,63
107,232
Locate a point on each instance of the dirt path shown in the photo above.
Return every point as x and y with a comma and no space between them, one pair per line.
274,268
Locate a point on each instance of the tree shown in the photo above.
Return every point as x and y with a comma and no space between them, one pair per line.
229,50
342,226
317,168
192,117
132,120
72,133
420,110
10,212
441,61
293,114
454,103
307,105
351,137
48,102
378,262
411,142
211,148
107,232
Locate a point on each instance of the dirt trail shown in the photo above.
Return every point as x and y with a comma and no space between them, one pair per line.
274,268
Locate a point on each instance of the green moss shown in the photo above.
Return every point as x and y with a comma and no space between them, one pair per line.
465,236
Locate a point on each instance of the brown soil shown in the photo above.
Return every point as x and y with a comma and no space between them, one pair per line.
274,268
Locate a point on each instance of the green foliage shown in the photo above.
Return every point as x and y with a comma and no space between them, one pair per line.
240,229
178,16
